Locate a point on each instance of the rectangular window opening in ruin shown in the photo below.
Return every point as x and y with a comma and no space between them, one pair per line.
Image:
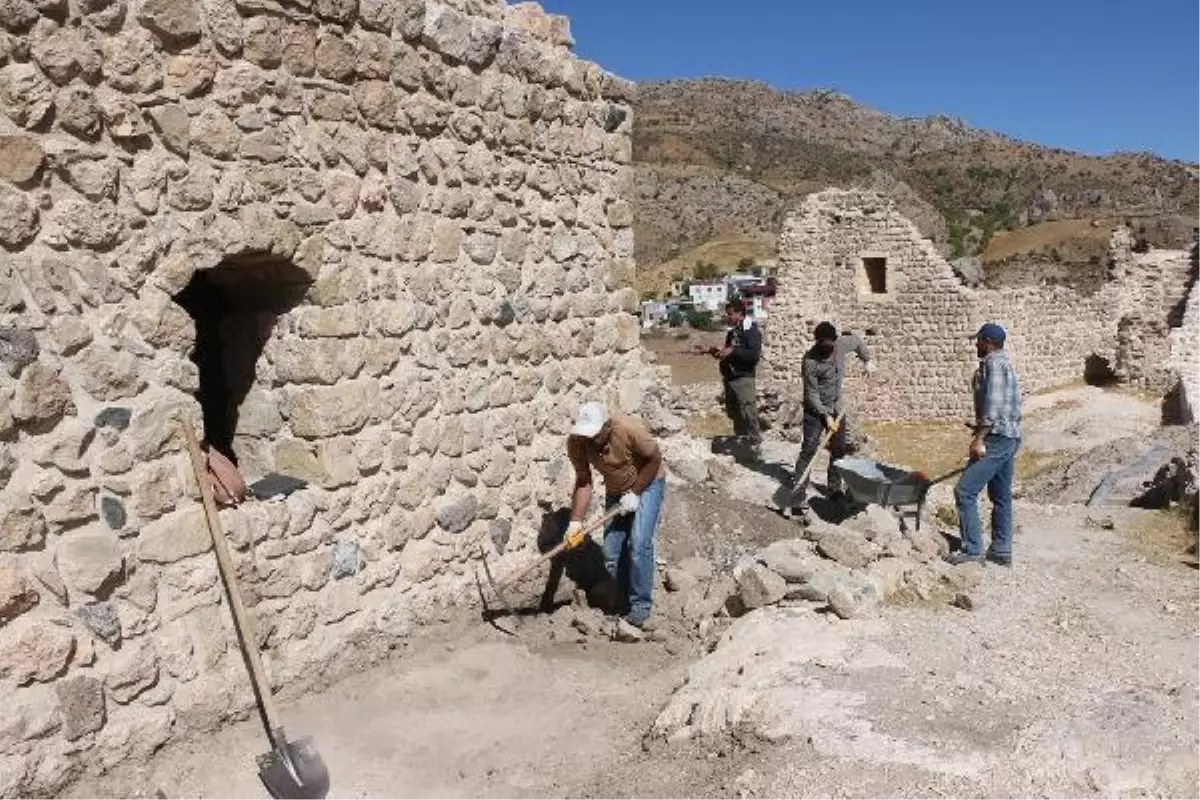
875,270
235,306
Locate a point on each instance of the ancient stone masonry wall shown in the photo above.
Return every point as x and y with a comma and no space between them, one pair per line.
1153,291
1185,357
851,258
414,258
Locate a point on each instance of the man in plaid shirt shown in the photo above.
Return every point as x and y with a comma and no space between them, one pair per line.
992,453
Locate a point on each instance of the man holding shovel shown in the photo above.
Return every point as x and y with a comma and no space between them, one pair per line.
823,368
631,464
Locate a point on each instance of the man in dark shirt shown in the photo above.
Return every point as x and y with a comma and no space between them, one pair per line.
738,362
823,369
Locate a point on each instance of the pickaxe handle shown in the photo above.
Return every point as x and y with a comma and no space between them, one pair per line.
837,423
559,548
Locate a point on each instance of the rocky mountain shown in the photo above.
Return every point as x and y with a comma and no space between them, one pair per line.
721,161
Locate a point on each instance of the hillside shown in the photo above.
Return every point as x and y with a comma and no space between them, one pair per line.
722,160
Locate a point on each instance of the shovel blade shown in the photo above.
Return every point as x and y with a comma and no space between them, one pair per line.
295,770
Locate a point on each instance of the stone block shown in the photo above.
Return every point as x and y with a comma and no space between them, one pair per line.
81,703
446,31
17,594
26,96
420,560
156,489
35,650
102,620
455,514
214,135
21,158
134,669
74,505
22,525
334,57
19,221
318,412
846,547
258,415
92,562
174,127
175,22
42,397
28,714
757,586
176,536
298,459
338,463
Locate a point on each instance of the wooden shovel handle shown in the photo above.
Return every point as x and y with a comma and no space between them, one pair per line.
824,440
241,620
559,548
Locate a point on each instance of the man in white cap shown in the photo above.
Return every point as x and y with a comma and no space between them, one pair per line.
630,462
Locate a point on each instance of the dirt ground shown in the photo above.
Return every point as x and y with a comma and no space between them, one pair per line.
1075,674
674,349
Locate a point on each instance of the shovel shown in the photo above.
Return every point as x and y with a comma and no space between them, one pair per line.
498,587
288,769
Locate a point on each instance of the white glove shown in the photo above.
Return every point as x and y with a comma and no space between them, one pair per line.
630,502
869,367
574,534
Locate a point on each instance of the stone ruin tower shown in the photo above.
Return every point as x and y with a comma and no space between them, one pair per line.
379,245
849,256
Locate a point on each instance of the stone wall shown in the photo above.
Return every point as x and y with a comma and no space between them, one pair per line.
1185,358
413,214
920,322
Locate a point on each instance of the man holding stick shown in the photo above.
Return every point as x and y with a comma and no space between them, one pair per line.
823,368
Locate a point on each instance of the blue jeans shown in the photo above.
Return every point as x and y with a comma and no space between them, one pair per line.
994,470
629,549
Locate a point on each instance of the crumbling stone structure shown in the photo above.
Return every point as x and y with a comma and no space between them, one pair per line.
850,257
380,245
1185,358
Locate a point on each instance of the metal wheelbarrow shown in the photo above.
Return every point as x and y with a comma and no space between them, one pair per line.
870,481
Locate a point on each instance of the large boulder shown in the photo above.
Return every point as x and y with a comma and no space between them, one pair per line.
757,586
847,547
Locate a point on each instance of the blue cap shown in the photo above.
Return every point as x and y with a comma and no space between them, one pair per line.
992,331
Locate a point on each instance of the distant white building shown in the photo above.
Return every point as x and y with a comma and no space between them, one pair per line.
709,295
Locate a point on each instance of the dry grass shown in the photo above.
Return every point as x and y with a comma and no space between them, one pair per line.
709,426
938,448
724,252
687,368
1163,538
933,447
1073,239
1052,410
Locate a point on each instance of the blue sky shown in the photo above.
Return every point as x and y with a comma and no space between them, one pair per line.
1098,76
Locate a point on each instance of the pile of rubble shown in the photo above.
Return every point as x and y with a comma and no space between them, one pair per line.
847,571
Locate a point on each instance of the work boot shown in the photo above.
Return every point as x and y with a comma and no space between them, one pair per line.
959,558
1002,559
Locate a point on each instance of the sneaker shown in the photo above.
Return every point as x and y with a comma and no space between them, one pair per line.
798,514
840,497
958,558
1003,559
644,625
625,631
